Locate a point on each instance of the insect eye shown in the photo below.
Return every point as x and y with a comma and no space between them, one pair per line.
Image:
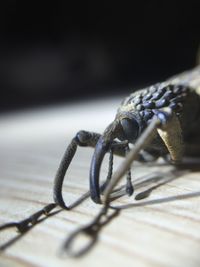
130,129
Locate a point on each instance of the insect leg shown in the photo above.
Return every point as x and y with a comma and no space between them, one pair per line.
129,185
146,138
110,171
82,138
120,149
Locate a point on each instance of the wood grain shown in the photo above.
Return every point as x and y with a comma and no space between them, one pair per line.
161,230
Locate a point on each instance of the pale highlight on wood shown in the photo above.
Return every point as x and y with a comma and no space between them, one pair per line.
160,230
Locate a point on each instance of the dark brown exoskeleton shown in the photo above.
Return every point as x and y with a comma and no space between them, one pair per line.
171,109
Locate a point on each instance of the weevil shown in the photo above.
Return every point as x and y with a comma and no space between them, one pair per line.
175,104
162,120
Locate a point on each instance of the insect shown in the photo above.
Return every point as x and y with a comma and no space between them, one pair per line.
162,120
170,108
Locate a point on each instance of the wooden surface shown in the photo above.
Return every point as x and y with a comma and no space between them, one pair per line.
161,230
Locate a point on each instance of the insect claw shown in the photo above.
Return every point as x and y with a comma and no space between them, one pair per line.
129,188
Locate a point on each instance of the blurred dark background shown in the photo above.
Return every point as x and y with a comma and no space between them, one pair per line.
63,51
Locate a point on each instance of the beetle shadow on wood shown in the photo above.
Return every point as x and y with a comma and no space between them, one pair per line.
20,234
24,230
158,180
